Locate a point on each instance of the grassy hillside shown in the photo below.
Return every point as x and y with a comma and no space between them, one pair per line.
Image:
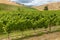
7,7
10,14
21,18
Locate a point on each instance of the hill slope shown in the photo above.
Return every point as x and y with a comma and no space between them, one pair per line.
51,6
9,2
21,18
7,7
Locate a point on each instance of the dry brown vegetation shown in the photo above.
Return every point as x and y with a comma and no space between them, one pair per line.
8,2
51,6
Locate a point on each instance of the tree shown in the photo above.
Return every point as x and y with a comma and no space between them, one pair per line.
46,8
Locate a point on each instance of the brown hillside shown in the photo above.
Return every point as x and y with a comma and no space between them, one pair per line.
8,2
51,6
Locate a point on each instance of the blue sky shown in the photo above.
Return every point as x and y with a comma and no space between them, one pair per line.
35,2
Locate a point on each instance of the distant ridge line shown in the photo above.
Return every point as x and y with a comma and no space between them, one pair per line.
9,2
51,6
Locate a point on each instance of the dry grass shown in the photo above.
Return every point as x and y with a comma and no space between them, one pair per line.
38,34
51,36
9,2
51,6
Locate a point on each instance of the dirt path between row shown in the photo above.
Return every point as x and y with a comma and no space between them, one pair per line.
50,36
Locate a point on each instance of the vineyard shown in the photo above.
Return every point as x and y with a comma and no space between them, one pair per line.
14,18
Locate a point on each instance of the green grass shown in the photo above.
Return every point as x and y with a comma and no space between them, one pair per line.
37,32
20,35
22,21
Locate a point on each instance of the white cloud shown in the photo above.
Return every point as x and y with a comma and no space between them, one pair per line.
36,2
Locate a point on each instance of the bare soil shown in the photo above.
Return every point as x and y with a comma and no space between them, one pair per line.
50,36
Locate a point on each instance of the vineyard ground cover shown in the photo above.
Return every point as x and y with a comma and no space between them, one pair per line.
18,35
22,18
